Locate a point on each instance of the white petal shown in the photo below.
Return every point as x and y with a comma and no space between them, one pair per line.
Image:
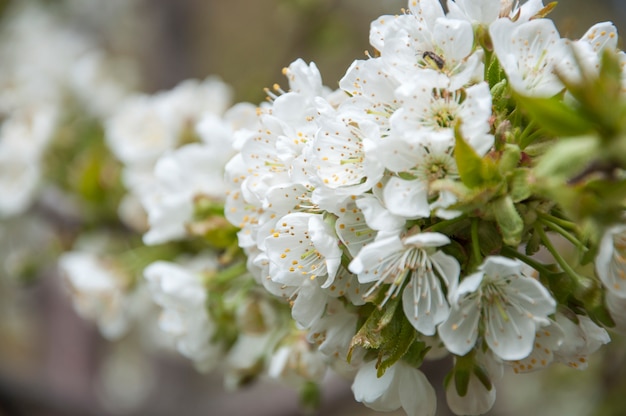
424,303
610,262
309,304
460,331
407,198
477,401
373,391
427,240
509,333
532,296
417,395
377,216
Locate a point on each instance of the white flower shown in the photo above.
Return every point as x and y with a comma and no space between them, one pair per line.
375,216
487,11
477,401
333,333
352,225
303,247
244,358
372,86
429,110
342,152
189,101
401,386
442,48
548,339
259,327
410,198
101,83
503,300
579,340
587,53
617,309
484,372
24,135
392,260
100,291
179,291
305,79
530,53
611,260
139,132
189,171
475,11
296,362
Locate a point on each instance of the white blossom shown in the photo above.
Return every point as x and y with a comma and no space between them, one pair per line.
100,291
190,171
180,293
548,340
501,298
477,401
296,362
530,54
402,386
611,260
579,340
415,258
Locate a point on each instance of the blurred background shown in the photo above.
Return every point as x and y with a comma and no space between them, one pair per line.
52,363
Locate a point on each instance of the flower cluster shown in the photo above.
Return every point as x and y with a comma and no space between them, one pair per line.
460,195
398,213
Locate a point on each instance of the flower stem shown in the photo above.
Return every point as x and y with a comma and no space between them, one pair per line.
569,236
540,267
559,221
528,135
445,223
578,279
475,244
229,273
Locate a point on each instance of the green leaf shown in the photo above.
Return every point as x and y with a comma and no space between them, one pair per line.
370,335
461,380
489,238
310,396
533,244
482,376
601,315
473,170
561,285
565,159
500,96
509,159
519,187
400,345
554,116
415,354
509,220
495,73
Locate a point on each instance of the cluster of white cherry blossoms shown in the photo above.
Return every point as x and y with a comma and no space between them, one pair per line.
365,229
357,203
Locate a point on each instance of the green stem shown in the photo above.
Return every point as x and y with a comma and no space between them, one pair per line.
578,279
527,135
475,244
529,139
445,223
229,273
559,221
138,258
557,228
